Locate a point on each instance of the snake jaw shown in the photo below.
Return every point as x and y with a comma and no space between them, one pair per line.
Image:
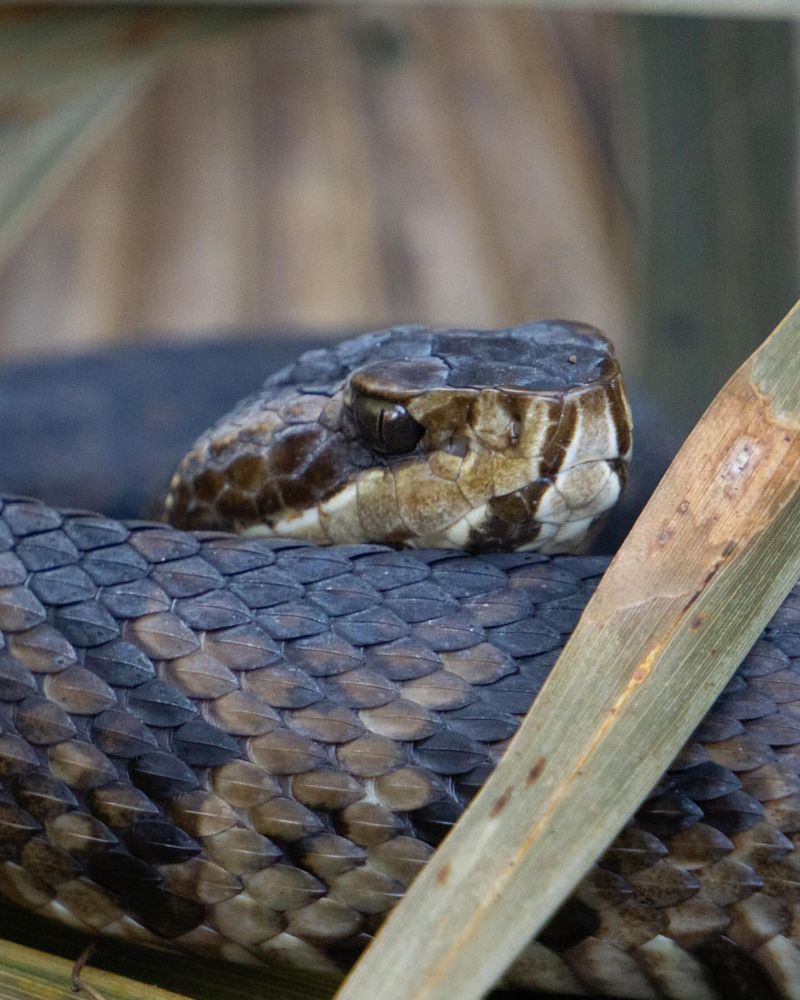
418,438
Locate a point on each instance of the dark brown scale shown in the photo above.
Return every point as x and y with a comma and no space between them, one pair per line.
47,550
202,814
284,752
201,744
402,659
120,664
241,850
327,722
42,795
202,882
247,647
360,688
188,577
12,572
160,843
91,531
200,675
407,789
16,756
284,820
215,610
162,636
119,804
243,784
370,627
135,598
511,522
80,765
164,913
16,682
16,826
121,734
283,686
242,713
27,517
734,973
326,788
370,755
159,704
65,585
85,624
158,545
115,564
19,609
265,587
42,722
734,812
368,823
79,691
401,719
323,655
163,776
47,863
79,834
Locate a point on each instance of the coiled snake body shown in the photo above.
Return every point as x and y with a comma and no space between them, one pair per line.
246,747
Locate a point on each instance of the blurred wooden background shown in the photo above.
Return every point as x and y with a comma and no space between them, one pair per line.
188,173
332,168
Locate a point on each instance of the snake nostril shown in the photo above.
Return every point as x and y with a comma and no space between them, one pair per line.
459,445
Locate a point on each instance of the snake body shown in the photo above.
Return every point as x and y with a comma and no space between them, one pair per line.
246,747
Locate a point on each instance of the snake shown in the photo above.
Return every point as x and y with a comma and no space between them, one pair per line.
241,731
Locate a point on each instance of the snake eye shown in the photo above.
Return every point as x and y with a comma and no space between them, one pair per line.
386,427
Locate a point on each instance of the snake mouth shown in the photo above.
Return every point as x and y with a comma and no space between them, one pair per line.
513,439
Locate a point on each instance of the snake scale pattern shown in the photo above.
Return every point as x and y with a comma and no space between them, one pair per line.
246,747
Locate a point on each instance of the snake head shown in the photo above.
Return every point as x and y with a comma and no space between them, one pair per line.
483,440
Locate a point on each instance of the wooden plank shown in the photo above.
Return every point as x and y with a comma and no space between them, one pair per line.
44,55
68,79
478,109
706,565
37,160
705,8
333,168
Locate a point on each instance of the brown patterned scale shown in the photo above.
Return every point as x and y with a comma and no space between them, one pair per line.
246,748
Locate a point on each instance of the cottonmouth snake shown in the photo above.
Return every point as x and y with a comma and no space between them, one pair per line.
246,747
